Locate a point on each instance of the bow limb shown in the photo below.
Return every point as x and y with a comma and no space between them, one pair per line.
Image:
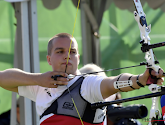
140,17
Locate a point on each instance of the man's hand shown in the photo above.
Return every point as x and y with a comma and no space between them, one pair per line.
47,79
153,77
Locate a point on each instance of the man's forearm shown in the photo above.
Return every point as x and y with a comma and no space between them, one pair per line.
12,78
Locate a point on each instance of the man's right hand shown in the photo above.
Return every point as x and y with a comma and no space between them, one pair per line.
47,79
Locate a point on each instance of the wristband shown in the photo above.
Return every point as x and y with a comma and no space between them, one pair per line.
139,82
129,79
118,80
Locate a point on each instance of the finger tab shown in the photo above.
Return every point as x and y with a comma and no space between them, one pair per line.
56,76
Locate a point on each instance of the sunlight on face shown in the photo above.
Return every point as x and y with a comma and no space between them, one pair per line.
59,55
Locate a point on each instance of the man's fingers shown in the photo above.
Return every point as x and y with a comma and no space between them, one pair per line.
161,73
63,79
155,77
53,82
160,81
59,74
158,74
154,73
54,86
59,78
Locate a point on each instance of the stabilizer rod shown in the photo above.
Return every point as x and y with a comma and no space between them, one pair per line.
102,104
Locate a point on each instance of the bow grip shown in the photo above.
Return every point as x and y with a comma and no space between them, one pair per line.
153,79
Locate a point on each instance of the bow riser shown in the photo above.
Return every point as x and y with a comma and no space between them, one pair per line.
140,18
149,56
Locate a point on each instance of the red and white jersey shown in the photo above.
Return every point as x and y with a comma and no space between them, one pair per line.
44,97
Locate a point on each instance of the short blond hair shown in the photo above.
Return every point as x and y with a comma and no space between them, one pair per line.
60,35
88,68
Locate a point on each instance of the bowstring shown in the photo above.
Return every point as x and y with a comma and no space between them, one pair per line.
67,64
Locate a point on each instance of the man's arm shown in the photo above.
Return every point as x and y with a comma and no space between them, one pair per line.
107,87
10,79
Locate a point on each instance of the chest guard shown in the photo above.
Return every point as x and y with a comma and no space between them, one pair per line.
63,105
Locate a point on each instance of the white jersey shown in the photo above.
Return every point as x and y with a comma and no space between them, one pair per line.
44,97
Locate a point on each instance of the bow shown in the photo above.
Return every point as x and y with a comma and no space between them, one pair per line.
140,18
151,63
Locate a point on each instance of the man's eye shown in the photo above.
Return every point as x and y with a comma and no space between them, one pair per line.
60,52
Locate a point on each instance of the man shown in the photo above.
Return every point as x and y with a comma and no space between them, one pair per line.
46,89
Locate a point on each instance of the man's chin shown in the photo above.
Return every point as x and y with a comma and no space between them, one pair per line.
69,71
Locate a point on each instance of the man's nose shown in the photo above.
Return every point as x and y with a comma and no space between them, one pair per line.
67,55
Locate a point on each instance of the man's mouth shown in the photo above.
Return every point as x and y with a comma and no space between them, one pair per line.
66,63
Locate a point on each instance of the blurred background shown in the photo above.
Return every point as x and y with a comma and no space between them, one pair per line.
118,38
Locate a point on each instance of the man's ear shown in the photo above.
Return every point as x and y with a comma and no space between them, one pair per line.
48,59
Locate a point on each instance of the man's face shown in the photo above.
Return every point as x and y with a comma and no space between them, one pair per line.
59,55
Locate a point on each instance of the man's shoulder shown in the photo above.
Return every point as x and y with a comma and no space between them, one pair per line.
94,76
92,79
